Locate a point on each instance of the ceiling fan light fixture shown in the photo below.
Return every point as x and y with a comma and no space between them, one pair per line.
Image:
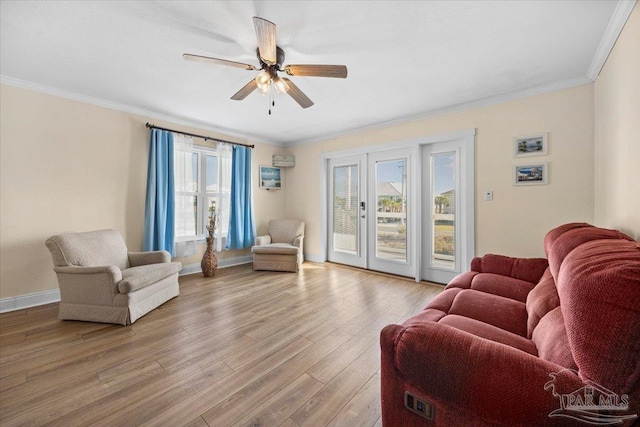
280,85
265,90
263,80
271,59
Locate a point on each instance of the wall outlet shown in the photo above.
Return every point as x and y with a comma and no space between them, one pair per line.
488,195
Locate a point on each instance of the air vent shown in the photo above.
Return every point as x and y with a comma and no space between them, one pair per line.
283,161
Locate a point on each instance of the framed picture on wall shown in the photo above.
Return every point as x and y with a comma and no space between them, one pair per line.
531,174
270,178
530,145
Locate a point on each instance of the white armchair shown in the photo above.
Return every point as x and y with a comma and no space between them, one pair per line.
281,249
100,281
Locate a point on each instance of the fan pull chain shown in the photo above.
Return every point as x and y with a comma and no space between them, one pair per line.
272,102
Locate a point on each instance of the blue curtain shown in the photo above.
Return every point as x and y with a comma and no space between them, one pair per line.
241,223
159,214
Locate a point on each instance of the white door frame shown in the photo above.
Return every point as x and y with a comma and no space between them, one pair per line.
467,137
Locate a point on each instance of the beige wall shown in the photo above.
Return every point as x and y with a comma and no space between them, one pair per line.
72,166
617,133
515,222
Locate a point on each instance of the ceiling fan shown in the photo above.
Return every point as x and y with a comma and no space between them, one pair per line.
271,58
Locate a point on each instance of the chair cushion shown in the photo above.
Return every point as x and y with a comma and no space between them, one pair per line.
135,278
285,230
89,249
276,248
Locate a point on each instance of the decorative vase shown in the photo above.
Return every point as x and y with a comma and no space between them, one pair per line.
209,262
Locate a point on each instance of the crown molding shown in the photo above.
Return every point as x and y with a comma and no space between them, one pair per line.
151,115
566,84
484,102
616,23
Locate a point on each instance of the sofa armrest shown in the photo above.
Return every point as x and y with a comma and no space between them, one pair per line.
137,259
470,377
298,241
527,269
262,240
88,285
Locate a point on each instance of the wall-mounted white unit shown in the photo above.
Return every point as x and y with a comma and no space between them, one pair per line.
283,161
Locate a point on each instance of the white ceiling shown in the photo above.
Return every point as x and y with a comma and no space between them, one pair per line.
406,59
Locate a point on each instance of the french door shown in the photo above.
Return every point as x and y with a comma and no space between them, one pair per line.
372,211
347,211
447,210
406,208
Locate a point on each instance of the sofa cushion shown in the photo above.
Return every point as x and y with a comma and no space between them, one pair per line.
498,311
494,283
550,338
492,310
541,300
527,269
490,332
559,242
599,290
503,286
135,278
443,300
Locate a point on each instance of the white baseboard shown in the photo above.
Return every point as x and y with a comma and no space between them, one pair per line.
222,263
21,302
315,258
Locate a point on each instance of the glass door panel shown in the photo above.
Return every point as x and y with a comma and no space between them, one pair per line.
391,209
345,208
443,216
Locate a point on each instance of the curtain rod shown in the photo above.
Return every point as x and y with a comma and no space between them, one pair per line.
206,138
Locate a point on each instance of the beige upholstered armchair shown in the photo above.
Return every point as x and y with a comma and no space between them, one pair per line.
281,249
100,281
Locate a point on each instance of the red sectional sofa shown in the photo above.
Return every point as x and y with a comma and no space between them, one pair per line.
524,341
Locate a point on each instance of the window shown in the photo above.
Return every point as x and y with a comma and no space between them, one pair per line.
202,181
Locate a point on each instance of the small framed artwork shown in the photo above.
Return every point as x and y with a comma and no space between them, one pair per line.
531,174
270,178
530,145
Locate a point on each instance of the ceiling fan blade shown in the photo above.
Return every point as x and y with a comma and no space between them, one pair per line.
245,91
219,61
297,94
266,34
335,71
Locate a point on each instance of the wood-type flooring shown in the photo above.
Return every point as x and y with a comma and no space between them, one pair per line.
242,348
